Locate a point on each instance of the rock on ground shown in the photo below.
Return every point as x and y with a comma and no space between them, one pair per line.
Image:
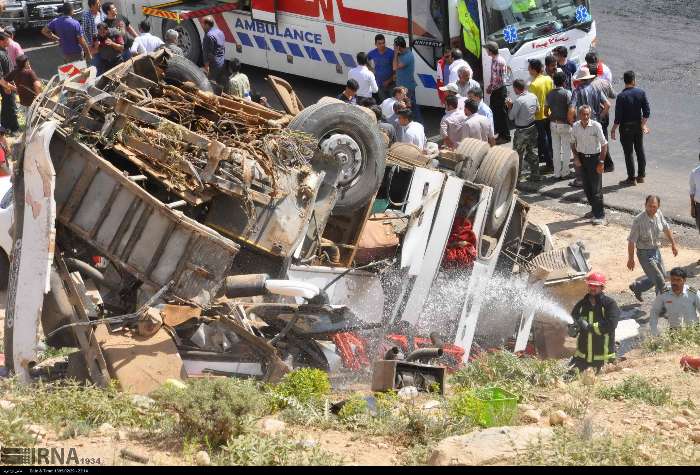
202,458
558,418
271,426
531,416
487,446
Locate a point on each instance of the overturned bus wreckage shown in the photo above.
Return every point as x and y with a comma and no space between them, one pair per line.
166,232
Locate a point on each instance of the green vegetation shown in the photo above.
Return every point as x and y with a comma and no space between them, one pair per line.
214,410
519,376
636,387
304,385
75,408
13,432
676,339
250,450
574,448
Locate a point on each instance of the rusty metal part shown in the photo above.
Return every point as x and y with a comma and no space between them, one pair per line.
84,334
149,324
390,375
174,315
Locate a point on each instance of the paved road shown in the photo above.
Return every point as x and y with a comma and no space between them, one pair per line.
659,39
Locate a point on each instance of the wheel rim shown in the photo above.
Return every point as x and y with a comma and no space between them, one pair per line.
348,153
184,41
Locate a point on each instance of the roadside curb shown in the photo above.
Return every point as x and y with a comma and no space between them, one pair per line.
570,196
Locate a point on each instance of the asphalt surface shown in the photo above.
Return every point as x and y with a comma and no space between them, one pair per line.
658,39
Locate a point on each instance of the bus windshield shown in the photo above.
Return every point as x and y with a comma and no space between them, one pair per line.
427,25
510,23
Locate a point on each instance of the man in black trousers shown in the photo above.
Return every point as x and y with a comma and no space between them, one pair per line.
631,116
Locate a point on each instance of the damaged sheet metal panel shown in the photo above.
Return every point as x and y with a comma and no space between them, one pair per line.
360,291
439,235
32,254
422,200
97,202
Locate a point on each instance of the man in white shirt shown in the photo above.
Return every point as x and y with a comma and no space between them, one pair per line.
398,94
475,125
589,147
409,131
145,42
458,62
465,83
695,195
476,94
451,123
364,77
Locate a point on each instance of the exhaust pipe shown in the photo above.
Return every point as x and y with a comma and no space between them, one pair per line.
392,353
424,354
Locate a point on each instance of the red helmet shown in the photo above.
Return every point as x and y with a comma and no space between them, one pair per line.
595,278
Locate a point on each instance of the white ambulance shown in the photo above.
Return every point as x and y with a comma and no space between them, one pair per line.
320,38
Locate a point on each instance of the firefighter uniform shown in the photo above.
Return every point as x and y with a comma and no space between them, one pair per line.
596,346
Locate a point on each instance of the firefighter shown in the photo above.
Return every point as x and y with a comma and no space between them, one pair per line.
595,319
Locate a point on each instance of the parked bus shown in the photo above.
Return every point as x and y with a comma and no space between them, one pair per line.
320,38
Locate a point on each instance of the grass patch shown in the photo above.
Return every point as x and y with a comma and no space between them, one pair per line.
571,447
13,432
214,410
72,407
416,455
673,339
505,370
304,385
636,387
253,450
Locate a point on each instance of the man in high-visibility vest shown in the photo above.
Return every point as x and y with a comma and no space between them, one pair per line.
595,320
523,6
468,12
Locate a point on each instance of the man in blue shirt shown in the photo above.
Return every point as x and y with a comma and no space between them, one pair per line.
382,61
404,65
213,48
68,32
561,53
631,115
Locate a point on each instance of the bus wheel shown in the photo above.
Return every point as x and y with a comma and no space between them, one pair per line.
499,170
188,40
348,134
470,153
181,69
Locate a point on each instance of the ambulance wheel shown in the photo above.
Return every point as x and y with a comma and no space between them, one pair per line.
181,69
349,135
470,153
499,170
188,40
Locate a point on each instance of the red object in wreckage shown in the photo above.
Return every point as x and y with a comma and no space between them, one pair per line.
461,245
690,363
352,350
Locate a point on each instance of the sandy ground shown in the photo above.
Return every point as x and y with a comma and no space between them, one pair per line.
607,246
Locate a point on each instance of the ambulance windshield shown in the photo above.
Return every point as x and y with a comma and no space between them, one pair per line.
511,23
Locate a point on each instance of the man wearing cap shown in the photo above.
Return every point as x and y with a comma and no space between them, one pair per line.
451,123
586,94
595,320
522,112
499,92
679,305
453,90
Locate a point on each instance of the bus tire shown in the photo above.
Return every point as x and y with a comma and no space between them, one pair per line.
499,170
181,69
189,39
361,180
470,153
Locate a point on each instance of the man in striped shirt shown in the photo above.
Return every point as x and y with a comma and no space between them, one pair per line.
497,90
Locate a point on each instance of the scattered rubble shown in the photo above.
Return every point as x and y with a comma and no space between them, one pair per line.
531,416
